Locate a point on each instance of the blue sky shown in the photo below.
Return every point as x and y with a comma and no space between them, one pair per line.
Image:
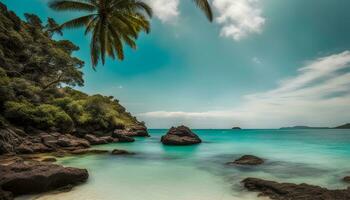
260,64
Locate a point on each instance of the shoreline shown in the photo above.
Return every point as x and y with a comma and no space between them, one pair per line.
256,168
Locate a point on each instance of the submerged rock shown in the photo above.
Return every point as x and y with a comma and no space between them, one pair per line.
181,135
122,152
290,191
88,151
35,177
247,160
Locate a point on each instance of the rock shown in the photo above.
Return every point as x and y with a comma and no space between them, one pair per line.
108,139
24,148
68,140
290,191
248,160
4,195
236,128
181,135
135,131
10,139
49,159
34,177
88,151
121,152
346,179
122,138
95,140
40,148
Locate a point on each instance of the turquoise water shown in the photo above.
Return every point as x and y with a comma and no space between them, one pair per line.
158,172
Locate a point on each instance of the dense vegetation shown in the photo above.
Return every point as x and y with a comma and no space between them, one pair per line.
33,70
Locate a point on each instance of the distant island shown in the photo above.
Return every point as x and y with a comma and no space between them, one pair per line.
344,126
236,128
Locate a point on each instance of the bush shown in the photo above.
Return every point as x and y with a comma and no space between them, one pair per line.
44,116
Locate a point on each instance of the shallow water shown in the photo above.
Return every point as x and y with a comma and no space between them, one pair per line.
158,172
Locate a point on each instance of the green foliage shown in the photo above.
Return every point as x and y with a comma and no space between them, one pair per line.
44,116
112,24
33,67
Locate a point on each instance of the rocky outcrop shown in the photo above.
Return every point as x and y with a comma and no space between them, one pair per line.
247,160
135,131
95,140
121,152
346,179
120,137
48,142
290,191
9,139
181,135
4,195
35,177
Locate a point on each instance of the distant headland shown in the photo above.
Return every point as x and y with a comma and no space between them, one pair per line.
344,126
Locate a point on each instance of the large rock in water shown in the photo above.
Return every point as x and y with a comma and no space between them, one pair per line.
290,191
247,160
35,177
181,135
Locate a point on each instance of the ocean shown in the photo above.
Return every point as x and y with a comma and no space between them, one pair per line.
199,172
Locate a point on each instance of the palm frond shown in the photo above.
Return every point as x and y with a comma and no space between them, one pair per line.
78,22
76,5
205,7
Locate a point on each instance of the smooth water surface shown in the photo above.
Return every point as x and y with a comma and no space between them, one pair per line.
159,172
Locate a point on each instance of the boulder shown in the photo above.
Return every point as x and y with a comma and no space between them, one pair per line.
346,179
28,147
68,140
121,137
135,131
4,195
248,160
181,135
9,140
290,191
121,152
108,139
95,140
21,178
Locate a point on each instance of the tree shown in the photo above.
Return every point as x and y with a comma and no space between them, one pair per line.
52,27
205,7
112,24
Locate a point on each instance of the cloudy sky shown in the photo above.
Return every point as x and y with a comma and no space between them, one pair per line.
260,64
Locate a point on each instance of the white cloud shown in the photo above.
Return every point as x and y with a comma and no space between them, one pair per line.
318,95
165,10
239,18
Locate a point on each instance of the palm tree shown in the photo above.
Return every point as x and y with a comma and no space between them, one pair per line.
111,22
205,7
